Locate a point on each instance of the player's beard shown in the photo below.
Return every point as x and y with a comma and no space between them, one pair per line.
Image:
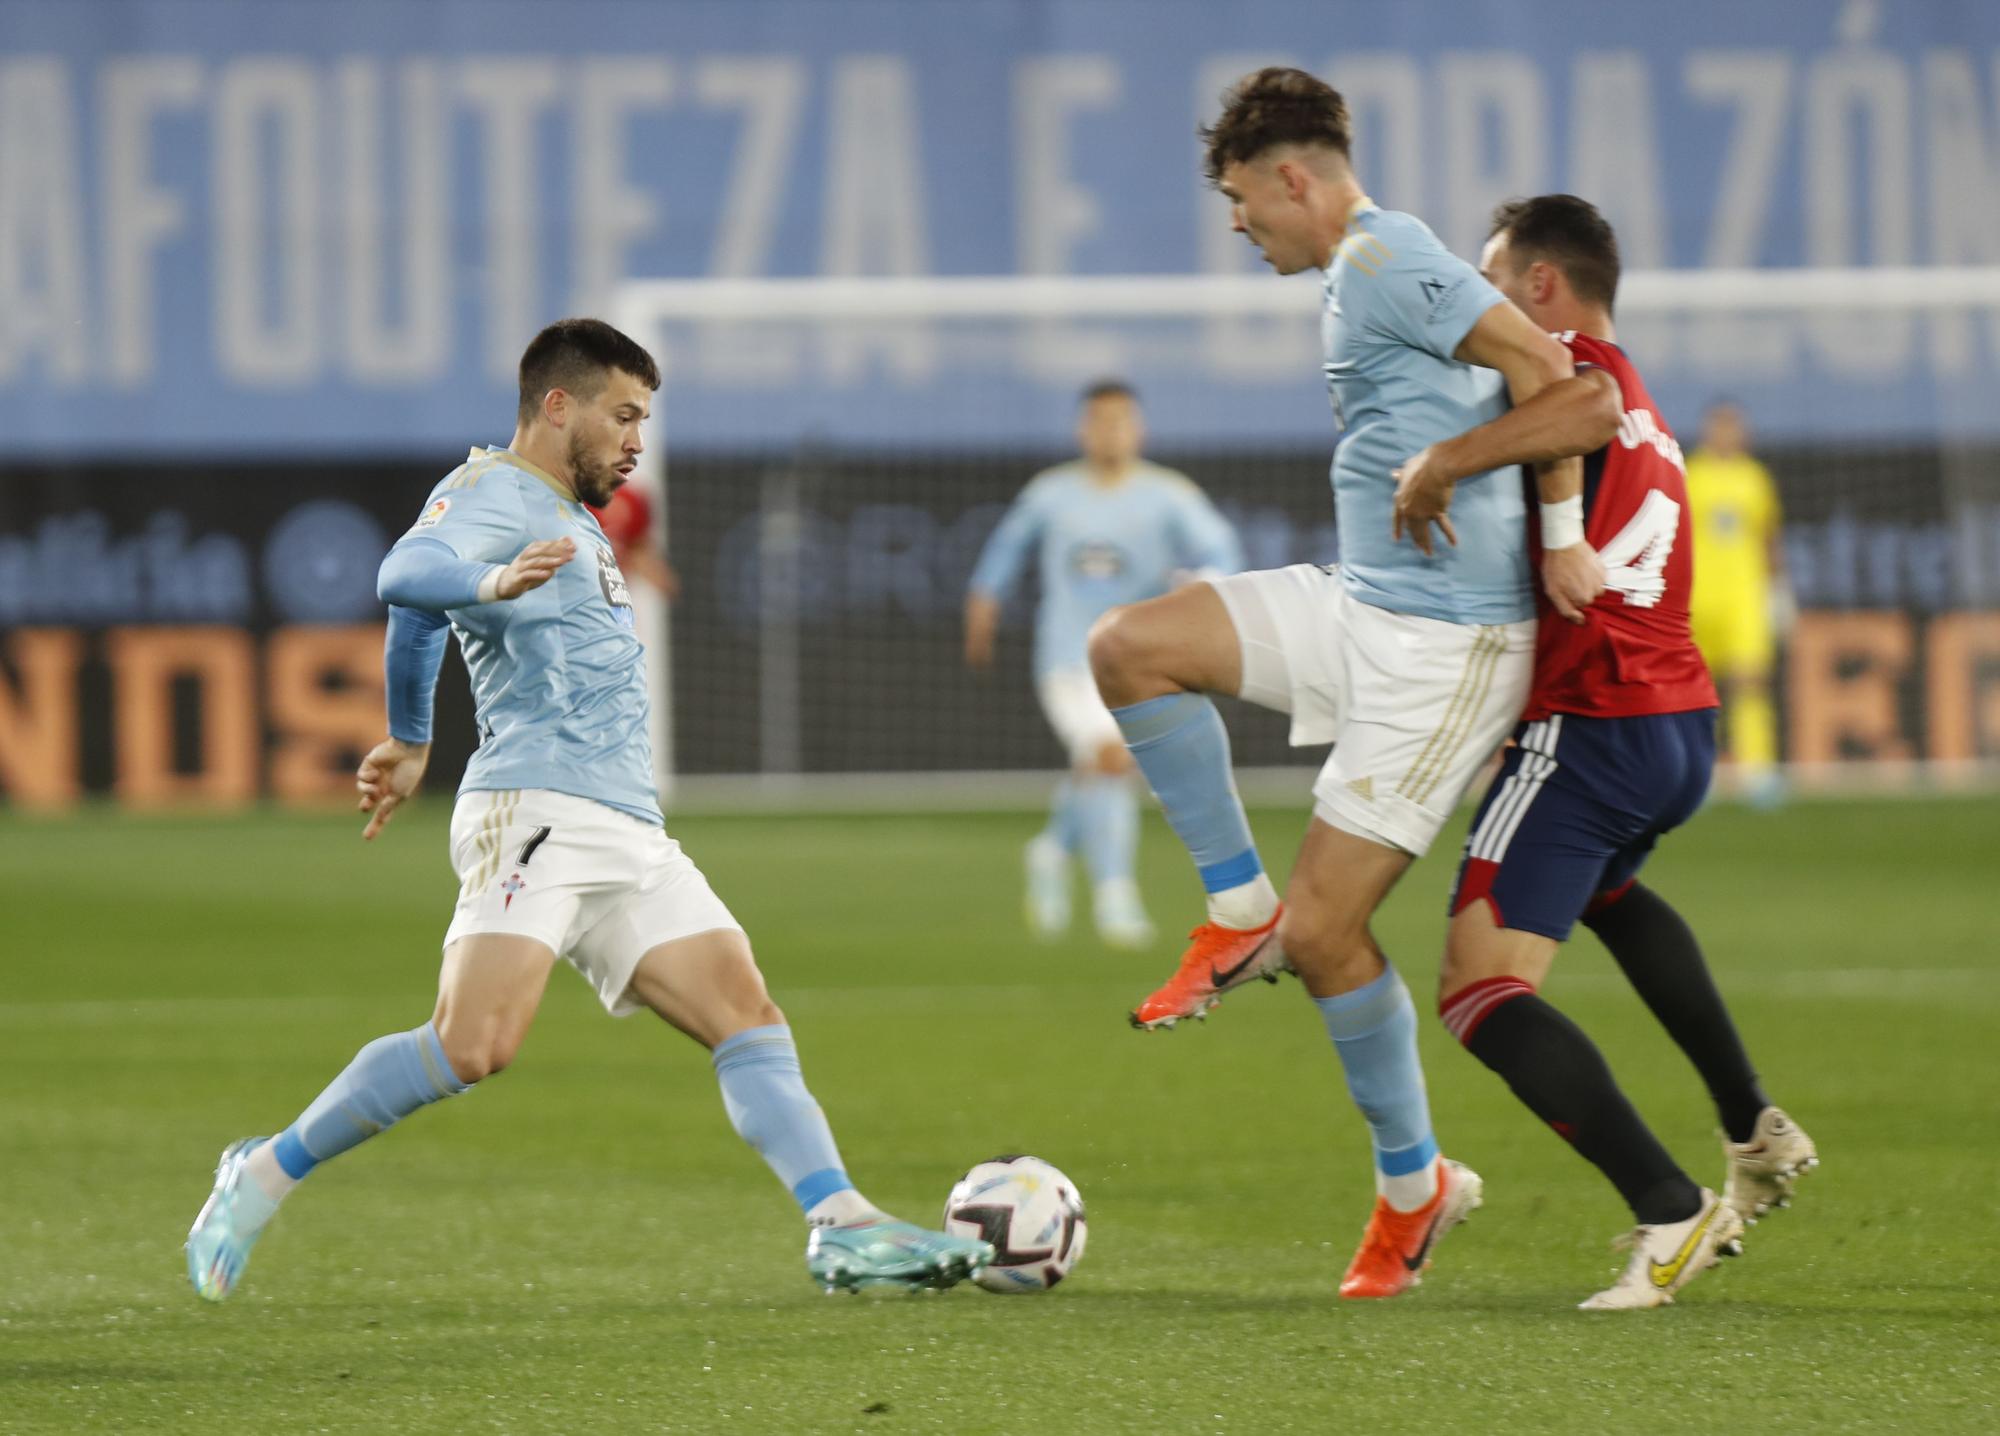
595,483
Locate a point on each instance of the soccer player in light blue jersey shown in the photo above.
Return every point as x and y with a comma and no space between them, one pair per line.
557,837
1411,657
1105,529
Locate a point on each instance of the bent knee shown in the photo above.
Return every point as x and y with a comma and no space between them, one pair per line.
474,1056
1116,645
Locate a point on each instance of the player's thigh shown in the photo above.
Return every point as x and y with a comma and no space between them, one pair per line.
1078,717
489,989
1572,795
1680,759
1425,704
1338,881
1478,948
1180,641
707,985
671,901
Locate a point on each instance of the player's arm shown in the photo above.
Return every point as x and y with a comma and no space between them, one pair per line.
1208,543
1532,362
445,563
996,573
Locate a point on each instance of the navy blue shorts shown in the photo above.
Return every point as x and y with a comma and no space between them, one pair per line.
1577,806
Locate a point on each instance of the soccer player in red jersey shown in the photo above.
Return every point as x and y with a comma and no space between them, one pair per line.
1616,748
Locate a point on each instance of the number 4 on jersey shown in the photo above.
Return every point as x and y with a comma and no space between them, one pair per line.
1635,561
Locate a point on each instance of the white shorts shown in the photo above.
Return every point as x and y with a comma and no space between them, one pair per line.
594,885
1413,706
1071,703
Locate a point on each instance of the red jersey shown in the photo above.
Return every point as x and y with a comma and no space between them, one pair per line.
625,519
1633,654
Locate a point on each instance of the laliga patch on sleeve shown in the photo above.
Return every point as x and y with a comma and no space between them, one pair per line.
432,514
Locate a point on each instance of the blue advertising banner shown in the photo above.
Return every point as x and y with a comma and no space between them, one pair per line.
290,226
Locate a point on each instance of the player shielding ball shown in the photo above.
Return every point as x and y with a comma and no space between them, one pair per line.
1616,748
1413,664
1105,529
557,837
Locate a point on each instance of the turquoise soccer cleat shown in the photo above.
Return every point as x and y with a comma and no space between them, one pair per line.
889,1253
217,1247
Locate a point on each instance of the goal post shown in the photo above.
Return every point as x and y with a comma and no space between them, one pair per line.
826,455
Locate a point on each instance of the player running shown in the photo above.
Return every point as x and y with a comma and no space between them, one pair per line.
1414,665
1616,748
557,837
1106,529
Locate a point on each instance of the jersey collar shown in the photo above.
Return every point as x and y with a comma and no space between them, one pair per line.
562,490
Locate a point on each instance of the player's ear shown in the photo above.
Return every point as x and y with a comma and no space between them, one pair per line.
555,407
1542,279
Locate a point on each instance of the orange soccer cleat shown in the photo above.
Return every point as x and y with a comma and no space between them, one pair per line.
1397,1245
1217,959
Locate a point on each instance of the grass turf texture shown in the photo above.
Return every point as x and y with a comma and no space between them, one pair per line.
584,1246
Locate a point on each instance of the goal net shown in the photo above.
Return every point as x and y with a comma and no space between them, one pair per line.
828,457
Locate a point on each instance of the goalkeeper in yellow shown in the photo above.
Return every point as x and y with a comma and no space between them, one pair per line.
1740,597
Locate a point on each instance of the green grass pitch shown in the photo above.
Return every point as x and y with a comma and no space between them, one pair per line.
584,1246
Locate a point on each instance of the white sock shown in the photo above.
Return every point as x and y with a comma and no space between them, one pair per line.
1245,906
845,1208
1411,1190
272,1180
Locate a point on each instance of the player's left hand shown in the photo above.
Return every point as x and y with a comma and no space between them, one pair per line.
1574,576
1423,495
388,775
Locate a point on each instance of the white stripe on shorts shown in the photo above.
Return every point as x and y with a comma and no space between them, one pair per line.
1538,745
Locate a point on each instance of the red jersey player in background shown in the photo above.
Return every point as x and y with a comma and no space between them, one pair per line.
627,520
1616,747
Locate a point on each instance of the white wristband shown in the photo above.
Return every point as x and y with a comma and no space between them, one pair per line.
1562,523
489,586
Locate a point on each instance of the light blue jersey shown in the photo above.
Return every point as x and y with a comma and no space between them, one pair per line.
558,676
1397,305
1099,546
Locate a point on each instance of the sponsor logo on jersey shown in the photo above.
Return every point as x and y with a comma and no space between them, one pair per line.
613,582
437,510
1097,560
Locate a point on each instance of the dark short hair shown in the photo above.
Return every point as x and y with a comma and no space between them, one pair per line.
1107,389
577,355
1275,106
1570,234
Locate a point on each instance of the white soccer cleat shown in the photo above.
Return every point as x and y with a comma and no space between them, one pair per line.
1666,1258
1047,868
1763,1170
1121,917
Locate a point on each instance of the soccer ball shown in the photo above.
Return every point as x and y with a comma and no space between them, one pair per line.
1029,1211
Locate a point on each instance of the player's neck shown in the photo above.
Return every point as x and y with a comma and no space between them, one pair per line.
1108,476
1345,200
545,454
1584,319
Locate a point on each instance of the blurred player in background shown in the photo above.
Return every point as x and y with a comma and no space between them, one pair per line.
1741,598
1104,529
557,837
1412,661
1616,748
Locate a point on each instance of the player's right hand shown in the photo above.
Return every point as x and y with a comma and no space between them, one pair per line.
389,774
534,566
1573,577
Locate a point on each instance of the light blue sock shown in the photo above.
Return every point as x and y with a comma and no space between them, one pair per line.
1183,749
1107,811
1063,826
387,1080
1374,1028
766,1098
